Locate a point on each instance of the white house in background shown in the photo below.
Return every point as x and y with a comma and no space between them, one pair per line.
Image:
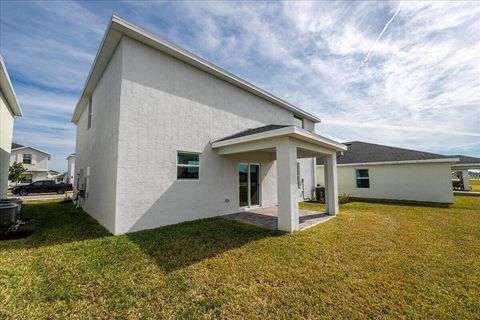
164,136
33,159
462,167
70,176
374,171
9,108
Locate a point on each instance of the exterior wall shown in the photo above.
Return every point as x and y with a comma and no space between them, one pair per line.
6,134
97,147
168,106
417,182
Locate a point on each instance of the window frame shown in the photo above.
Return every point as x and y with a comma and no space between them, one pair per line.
362,178
177,165
23,158
89,119
295,117
298,176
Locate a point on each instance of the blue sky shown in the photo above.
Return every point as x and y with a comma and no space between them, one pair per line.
404,74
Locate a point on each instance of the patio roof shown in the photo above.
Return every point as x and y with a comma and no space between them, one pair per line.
270,132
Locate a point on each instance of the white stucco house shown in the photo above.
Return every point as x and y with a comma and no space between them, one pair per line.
164,136
33,159
9,109
374,171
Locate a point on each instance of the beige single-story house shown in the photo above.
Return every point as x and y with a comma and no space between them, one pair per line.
373,171
9,109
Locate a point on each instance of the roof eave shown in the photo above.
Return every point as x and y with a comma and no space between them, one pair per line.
123,27
8,91
290,131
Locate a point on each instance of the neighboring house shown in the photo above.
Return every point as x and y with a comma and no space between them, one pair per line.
462,167
70,176
52,174
164,136
33,159
9,108
374,171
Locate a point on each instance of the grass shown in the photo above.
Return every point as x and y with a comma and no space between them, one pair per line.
475,185
373,261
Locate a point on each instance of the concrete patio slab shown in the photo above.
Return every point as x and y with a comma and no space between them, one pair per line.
268,217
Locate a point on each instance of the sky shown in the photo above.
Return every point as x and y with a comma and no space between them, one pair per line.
405,74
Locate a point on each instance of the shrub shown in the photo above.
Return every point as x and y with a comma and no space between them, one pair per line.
344,198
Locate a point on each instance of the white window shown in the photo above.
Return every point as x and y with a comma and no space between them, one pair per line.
297,121
188,166
89,123
362,177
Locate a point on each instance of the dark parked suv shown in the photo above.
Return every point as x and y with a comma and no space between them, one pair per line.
42,186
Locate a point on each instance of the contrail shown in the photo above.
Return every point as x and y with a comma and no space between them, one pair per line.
368,53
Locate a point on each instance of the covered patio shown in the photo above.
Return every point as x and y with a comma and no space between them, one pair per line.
268,217
288,144
461,169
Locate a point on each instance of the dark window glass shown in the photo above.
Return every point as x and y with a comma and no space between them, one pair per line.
27,158
187,172
362,173
363,183
188,158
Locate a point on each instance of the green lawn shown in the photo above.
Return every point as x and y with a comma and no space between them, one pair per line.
475,185
372,261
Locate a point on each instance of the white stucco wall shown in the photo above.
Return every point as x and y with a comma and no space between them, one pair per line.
148,106
167,106
97,147
6,134
430,182
39,159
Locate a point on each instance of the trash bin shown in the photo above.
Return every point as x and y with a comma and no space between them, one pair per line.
320,193
13,200
8,212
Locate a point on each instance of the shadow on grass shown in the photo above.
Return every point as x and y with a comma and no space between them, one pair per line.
54,223
181,245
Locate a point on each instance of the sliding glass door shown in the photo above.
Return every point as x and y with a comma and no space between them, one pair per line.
249,184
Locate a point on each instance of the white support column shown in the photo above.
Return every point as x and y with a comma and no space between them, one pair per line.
466,180
287,189
331,184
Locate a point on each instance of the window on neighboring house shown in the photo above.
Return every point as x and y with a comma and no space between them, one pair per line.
27,158
188,166
298,175
89,123
363,179
297,121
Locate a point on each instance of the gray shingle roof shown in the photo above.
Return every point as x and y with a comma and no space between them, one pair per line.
16,145
363,152
249,132
466,160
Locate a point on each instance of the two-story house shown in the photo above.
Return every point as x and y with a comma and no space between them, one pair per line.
33,159
164,136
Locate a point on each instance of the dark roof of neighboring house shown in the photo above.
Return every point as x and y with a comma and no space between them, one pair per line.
363,152
249,132
466,159
16,145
